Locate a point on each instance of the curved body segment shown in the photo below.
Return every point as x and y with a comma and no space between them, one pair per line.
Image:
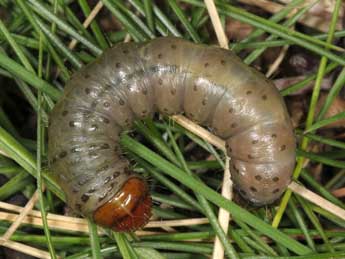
130,81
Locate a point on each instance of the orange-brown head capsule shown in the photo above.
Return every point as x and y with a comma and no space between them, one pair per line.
128,210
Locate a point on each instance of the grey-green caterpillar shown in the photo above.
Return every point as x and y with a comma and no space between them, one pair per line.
210,85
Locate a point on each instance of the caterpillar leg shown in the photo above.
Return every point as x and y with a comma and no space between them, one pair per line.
128,210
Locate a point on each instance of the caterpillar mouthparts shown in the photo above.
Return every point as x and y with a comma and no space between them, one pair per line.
128,210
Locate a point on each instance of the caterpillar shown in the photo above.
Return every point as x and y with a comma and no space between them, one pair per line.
132,81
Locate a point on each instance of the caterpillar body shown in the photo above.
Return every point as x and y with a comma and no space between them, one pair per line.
130,81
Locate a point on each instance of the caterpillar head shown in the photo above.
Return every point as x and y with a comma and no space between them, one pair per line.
128,210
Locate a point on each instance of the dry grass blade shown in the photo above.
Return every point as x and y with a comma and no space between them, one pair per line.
223,215
88,21
59,222
275,65
27,249
28,207
217,25
317,200
200,131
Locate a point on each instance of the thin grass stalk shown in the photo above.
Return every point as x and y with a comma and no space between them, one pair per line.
40,144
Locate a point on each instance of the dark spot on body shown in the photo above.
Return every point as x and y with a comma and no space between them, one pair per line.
275,179
160,81
116,174
160,55
275,190
121,102
282,147
118,65
72,124
258,177
64,113
204,102
264,97
78,206
255,142
222,62
250,156
195,88
253,189
63,154
86,76
243,192
173,91
87,90
105,146
248,92
165,110
233,125
106,120
173,46
108,87
84,198
274,135
144,91
125,51
83,181
144,112
92,154
231,110
206,64
92,190
106,104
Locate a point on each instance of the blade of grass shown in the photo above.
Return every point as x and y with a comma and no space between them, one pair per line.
125,21
301,223
32,79
40,144
97,32
320,189
46,14
60,46
322,123
163,19
183,19
148,8
94,241
24,158
315,221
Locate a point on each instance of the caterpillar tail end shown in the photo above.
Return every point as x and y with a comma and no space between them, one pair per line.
128,210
